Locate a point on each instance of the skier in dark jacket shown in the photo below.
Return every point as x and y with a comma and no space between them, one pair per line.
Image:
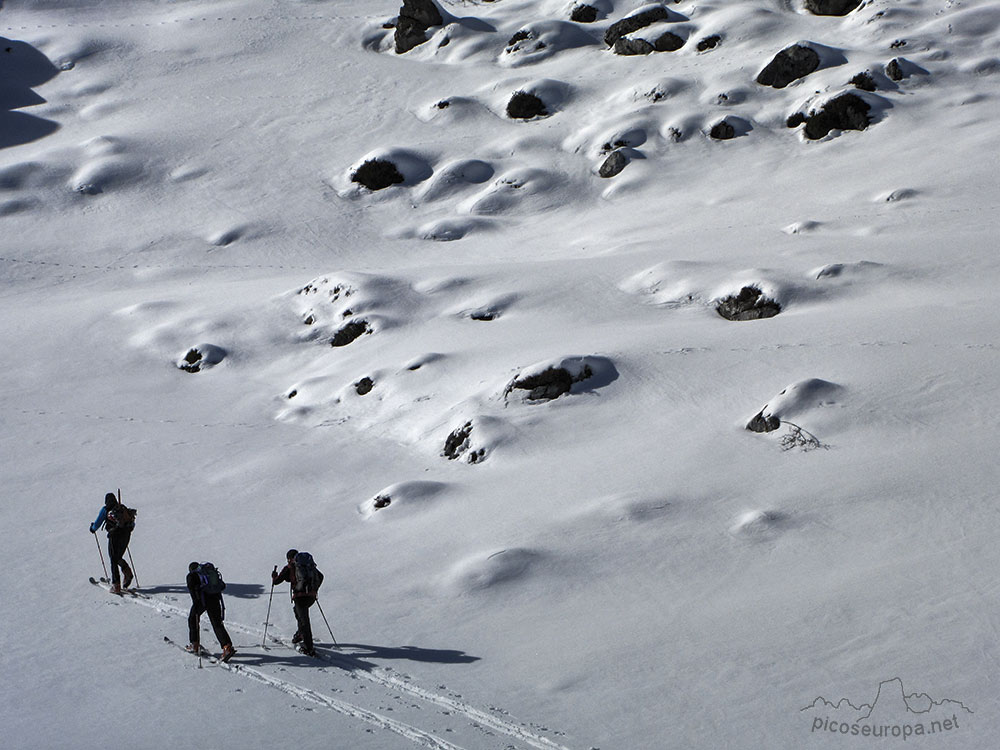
201,578
304,590
119,522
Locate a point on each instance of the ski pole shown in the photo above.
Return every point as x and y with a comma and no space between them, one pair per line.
127,550
134,574
327,622
267,619
106,576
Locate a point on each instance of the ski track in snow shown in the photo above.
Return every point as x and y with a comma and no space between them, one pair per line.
384,678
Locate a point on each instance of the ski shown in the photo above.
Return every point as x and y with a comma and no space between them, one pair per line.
204,654
105,584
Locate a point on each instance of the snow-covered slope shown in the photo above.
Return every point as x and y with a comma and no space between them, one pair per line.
495,399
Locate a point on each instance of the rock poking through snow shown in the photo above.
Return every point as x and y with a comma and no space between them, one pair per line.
614,164
789,65
845,112
635,22
524,105
831,7
749,304
377,174
415,18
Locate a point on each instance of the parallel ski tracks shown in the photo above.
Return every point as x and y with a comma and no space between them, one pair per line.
387,679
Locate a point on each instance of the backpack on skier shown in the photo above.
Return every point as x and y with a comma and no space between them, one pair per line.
210,579
308,579
120,517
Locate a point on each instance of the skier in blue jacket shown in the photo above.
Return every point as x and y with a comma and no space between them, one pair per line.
118,521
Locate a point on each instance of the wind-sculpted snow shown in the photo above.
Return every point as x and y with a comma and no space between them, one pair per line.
449,318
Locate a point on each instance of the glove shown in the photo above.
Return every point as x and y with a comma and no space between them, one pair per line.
92,529
274,573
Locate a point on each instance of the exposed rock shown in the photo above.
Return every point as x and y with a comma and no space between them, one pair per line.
519,36
350,332
201,357
796,119
377,174
583,13
524,106
459,443
191,361
549,384
709,42
381,501
722,131
668,42
863,81
615,163
627,46
789,65
831,7
845,112
760,423
894,71
364,386
749,304
634,23
415,17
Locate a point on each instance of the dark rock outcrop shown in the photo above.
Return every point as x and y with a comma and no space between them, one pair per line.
634,23
364,386
831,7
415,17
709,42
749,304
377,174
845,112
796,119
201,357
583,13
626,46
894,70
760,423
722,131
524,105
863,81
666,42
350,332
549,384
459,443
615,163
789,65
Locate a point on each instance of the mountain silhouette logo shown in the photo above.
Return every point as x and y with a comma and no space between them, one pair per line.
892,713
890,699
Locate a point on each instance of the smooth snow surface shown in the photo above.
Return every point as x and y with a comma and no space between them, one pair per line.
202,308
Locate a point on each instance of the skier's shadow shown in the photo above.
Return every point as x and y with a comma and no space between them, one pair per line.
237,590
359,651
336,657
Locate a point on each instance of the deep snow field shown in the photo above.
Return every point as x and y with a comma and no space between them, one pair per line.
624,566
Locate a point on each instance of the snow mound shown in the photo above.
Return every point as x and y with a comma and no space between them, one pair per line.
402,497
759,525
487,570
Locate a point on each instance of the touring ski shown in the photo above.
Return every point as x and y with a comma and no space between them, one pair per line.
204,654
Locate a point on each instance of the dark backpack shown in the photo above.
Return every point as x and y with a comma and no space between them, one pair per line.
307,575
120,517
211,579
